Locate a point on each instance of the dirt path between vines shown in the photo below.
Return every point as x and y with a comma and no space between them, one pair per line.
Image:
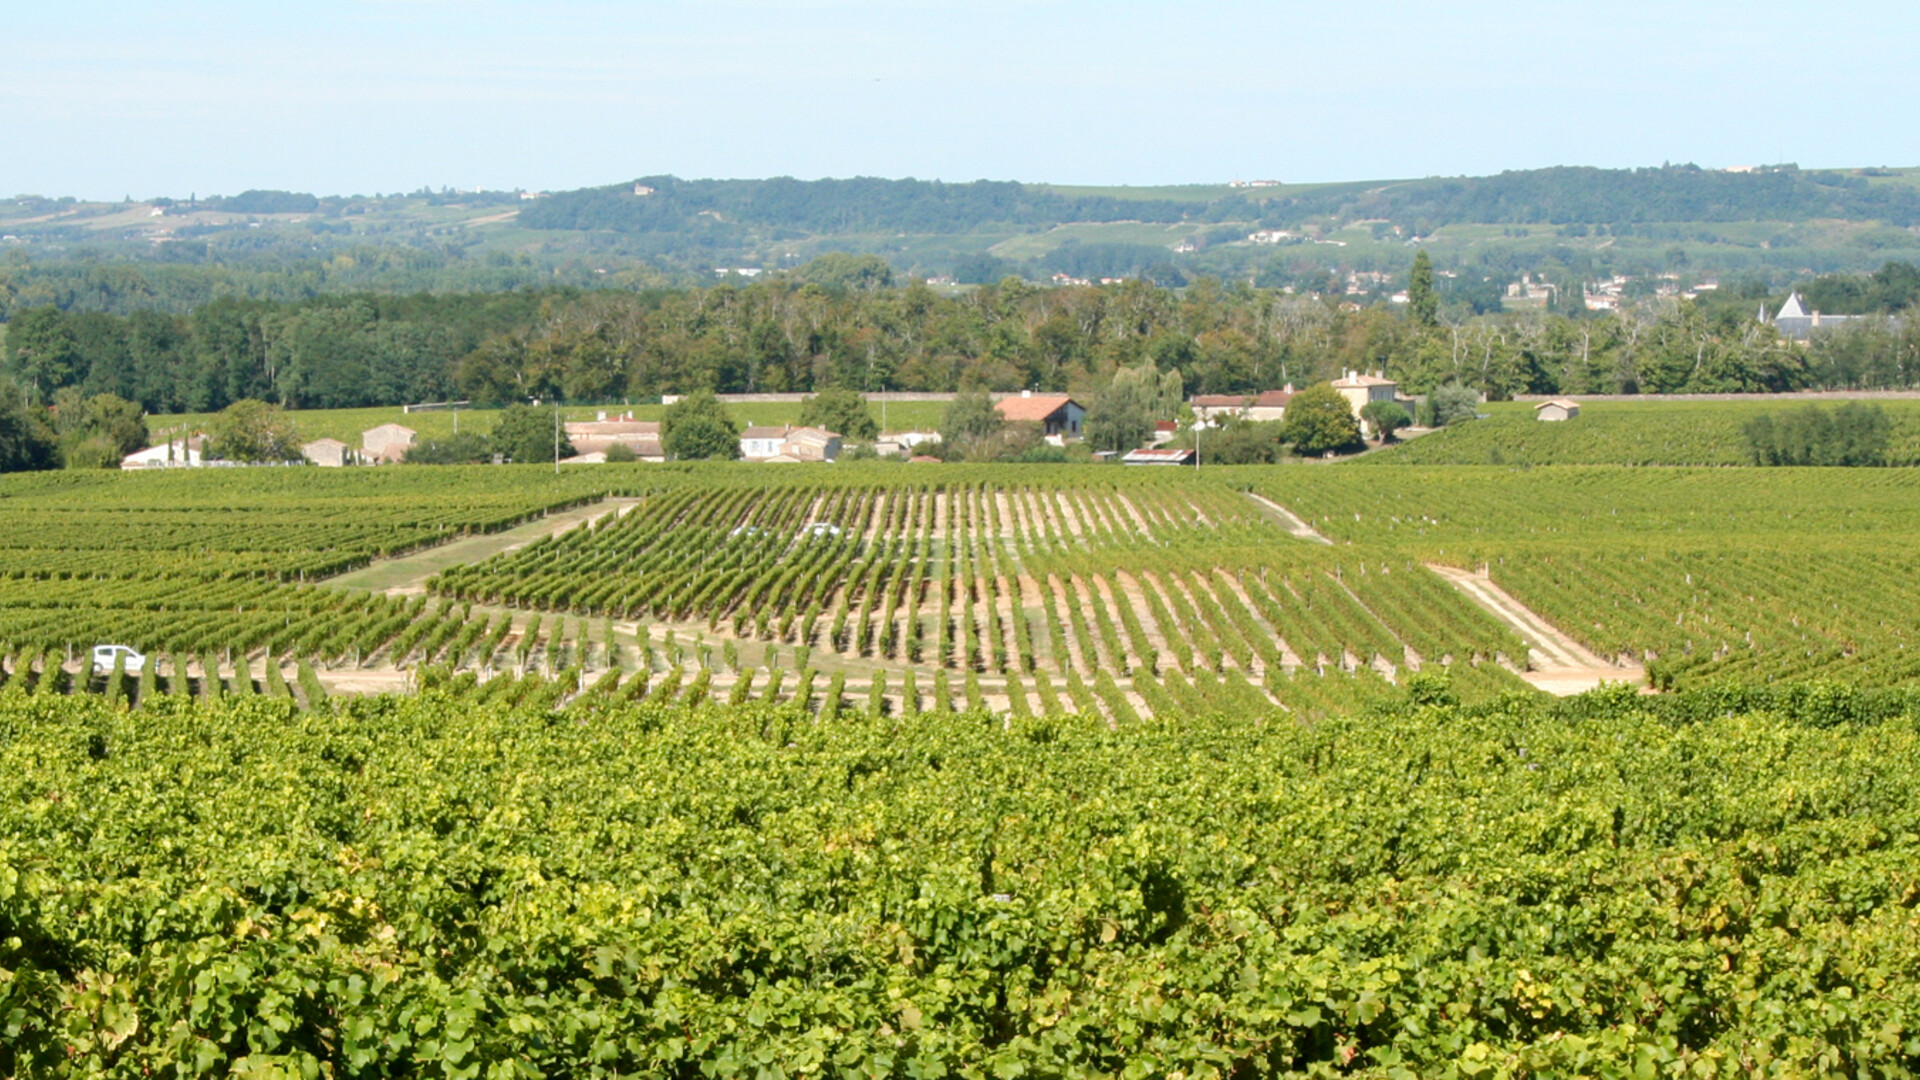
1559,665
408,574
1288,520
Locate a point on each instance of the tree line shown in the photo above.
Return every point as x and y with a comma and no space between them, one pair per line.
857,331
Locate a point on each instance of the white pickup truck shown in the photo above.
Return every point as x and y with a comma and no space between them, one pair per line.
104,656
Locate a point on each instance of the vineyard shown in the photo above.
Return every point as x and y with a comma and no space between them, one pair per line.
1117,594
1747,574
891,771
193,565
1710,884
1119,599
1651,432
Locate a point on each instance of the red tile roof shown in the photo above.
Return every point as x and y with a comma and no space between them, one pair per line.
1031,409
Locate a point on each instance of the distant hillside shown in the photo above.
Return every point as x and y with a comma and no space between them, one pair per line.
1674,228
863,204
1587,196
1556,196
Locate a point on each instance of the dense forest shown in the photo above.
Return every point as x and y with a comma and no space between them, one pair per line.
841,322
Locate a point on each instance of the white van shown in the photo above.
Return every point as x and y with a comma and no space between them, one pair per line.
104,655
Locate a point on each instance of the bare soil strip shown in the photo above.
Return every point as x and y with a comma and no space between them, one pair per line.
1004,515
1287,519
1065,512
408,574
1558,664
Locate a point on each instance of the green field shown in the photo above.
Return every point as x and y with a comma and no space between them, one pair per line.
1030,245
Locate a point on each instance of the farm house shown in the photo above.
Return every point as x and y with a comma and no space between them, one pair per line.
1266,406
789,444
1058,416
1361,389
1557,409
600,435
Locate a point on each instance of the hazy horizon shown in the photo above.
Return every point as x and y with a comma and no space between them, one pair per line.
107,100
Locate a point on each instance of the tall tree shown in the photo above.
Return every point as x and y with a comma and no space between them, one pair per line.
698,427
970,419
1122,416
26,439
1318,420
96,432
254,431
1423,302
526,434
43,354
840,410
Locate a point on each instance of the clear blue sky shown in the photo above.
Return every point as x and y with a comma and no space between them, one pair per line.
104,99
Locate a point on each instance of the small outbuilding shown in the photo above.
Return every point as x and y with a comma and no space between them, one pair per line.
1164,455
811,444
327,453
1557,409
386,443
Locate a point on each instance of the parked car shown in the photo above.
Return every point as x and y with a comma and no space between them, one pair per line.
104,656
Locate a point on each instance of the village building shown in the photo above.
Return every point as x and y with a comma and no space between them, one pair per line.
1557,409
184,453
597,436
1362,389
1268,405
1794,321
897,443
1058,416
386,444
784,444
811,444
328,453
759,443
